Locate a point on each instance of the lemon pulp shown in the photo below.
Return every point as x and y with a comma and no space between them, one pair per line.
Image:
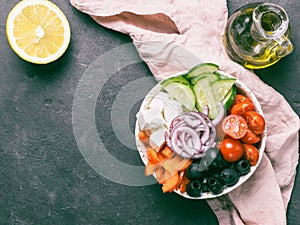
38,31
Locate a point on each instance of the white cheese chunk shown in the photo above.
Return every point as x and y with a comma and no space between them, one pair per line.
150,119
157,138
172,108
158,100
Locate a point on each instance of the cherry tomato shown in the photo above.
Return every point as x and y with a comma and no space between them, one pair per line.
251,154
250,137
255,121
235,126
231,149
241,98
241,108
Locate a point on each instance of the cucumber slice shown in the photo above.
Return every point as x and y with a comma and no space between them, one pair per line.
221,87
205,96
179,79
202,68
228,99
182,93
210,76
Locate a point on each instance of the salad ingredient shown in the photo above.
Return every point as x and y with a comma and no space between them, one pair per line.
143,136
213,160
231,149
241,108
202,68
211,77
205,110
211,93
191,134
176,163
204,186
235,126
194,171
250,137
229,176
229,98
242,166
205,96
38,31
193,188
182,93
170,183
152,155
251,154
183,183
167,167
215,185
167,152
151,167
166,105
171,109
156,139
255,121
159,173
241,98
176,79
221,87
150,119
220,115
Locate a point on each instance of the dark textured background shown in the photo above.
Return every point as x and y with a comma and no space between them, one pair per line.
44,178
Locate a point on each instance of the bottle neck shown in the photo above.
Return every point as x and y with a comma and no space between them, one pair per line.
270,21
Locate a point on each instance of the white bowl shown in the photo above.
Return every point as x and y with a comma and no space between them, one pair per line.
241,88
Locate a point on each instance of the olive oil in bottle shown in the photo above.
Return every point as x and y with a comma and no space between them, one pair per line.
258,35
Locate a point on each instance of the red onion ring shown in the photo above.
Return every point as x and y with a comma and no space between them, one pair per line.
191,134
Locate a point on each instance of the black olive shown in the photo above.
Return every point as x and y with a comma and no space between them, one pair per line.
229,176
215,185
194,171
213,160
242,166
193,188
205,187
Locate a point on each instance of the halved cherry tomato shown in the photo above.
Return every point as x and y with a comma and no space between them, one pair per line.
251,154
231,149
241,98
241,108
235,126
255,121
250,137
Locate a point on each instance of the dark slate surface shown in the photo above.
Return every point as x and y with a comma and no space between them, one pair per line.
44,178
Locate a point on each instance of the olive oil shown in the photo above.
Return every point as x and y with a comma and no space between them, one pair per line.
257,37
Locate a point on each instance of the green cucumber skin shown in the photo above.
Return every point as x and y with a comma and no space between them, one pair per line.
210,76
203,87
188,91
208,87
178,79
225,84
202,68
208,93
229,98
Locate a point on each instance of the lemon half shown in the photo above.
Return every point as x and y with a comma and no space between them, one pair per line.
38,31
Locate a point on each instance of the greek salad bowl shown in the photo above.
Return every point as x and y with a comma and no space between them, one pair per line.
200,133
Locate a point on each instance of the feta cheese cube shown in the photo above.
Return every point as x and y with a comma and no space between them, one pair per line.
158,101
157,138
150,119
172,108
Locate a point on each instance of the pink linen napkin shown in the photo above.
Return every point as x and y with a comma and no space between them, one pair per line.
160,30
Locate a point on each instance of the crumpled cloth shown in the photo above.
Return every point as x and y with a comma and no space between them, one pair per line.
174,35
